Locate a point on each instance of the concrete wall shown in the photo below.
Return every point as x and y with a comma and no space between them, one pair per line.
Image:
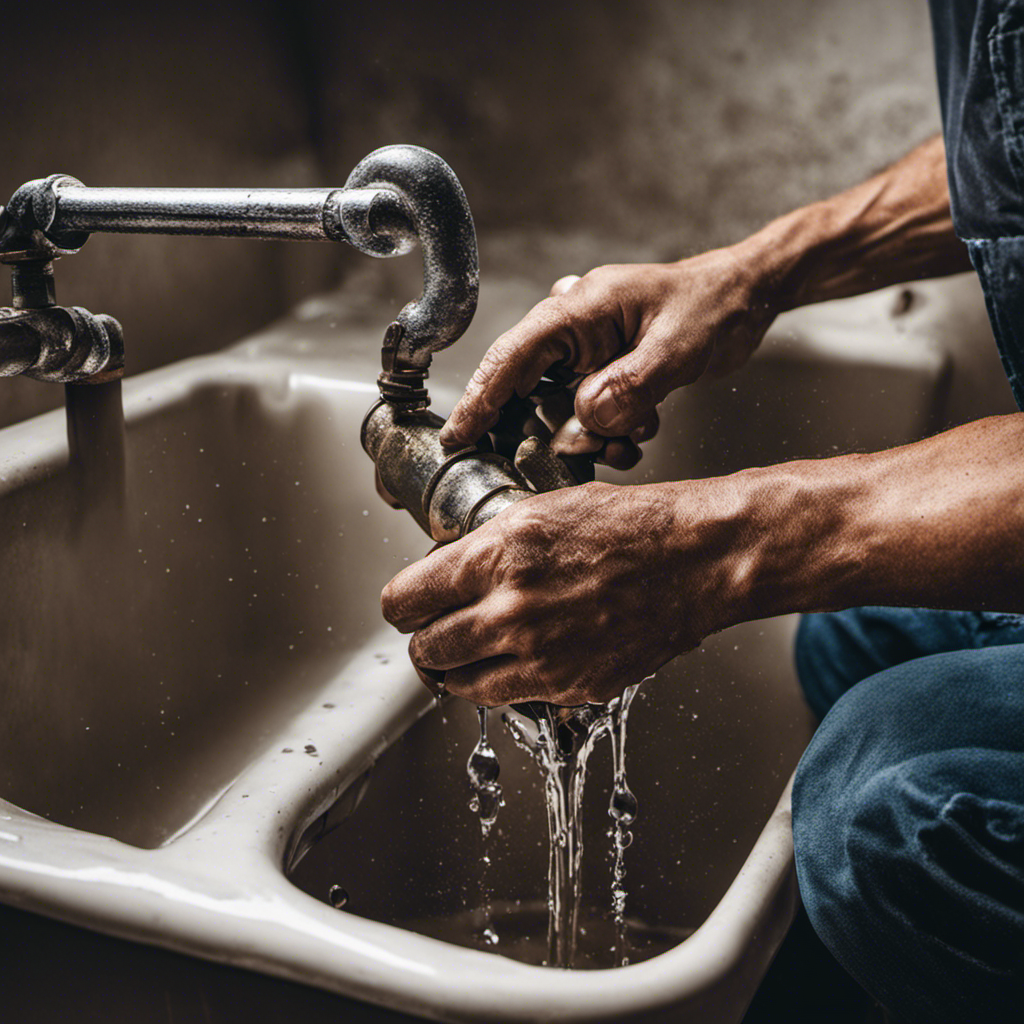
609,130
584,133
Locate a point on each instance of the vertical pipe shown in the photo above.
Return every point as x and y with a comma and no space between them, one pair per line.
95,416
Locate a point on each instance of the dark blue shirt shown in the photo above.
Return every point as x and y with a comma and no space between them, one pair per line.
979,55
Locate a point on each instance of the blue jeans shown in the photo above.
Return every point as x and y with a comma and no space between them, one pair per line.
908,807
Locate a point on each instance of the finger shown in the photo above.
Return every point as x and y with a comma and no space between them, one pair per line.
572,438
491,682
617,399
563,284
505,680
557,407
647,429
436,585
512,365
468,634
581,328
621,453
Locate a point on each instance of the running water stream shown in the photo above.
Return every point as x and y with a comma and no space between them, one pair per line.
483,770
560,742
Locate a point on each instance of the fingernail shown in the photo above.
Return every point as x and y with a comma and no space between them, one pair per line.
606,410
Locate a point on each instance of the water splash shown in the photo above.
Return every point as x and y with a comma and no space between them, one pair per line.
483,770
560,742
622,808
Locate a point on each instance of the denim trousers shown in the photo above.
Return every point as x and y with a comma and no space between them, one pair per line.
908,807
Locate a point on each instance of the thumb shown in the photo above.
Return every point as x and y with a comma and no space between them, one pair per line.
620,397
563,284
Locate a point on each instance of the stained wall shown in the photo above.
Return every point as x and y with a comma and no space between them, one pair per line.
584,133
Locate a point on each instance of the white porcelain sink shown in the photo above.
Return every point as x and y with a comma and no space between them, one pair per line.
192,695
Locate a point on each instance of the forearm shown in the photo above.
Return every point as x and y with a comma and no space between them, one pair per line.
895,227
938,523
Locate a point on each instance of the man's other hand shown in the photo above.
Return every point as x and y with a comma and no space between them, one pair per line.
636,331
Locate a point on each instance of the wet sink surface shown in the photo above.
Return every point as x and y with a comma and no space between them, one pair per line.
149,657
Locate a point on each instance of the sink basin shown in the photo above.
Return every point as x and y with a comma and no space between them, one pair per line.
198,683
704,762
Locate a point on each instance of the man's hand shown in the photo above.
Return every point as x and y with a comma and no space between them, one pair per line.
641,331
637,331
572,595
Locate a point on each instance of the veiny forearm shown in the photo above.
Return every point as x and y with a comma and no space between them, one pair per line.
938,523
895,227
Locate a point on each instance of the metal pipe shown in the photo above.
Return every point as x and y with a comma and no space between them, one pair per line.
394,197
451,268
264,213
448,493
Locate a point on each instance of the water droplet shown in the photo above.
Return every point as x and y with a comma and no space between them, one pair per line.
483,770
623,806
338,896
483,766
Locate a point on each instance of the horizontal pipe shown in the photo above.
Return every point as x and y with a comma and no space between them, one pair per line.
262,213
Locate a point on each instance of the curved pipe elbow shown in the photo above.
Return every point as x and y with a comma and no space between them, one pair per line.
432,208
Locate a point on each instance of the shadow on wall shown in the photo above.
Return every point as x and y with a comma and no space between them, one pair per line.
584,133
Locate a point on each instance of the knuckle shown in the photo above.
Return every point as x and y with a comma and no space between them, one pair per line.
563,284
391,602
419,648
483,558
604,276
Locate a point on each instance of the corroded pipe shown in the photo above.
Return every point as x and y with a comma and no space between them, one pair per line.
448,493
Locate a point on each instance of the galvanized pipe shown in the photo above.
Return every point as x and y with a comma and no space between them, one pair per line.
394,197
262,213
